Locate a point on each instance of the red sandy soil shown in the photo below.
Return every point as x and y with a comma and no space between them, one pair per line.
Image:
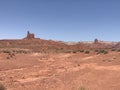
61,71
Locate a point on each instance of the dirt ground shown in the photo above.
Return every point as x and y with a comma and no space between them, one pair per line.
63,71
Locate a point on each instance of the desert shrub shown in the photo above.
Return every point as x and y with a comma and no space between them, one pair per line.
6,51
68,51
87,52
105,60
61,48
113,50
2,87
96,50
81,88
97,53
101,51
7,57
105,52
13,54
118,50
10,55
21,52
81,50
74,51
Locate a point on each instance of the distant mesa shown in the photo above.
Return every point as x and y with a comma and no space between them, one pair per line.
96,41
30,36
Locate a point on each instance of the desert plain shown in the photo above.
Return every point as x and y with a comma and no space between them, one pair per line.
61,71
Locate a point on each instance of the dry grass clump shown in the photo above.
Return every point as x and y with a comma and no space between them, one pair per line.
87,52
101,51
81,88
2,87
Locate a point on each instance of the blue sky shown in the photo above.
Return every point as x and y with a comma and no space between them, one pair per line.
66,20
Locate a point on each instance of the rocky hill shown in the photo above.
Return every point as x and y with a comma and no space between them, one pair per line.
39,45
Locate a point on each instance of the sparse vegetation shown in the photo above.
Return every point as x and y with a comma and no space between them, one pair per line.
101,51
2,87
12,52
81,88
6,51
105,52
87,52
75,51
68,51
96,50
7,57
81,50
113,50
107,60
118,50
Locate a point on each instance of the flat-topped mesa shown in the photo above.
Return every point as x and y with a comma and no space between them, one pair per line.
30,36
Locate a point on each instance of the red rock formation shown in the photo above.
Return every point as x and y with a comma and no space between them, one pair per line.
96,41
30,35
